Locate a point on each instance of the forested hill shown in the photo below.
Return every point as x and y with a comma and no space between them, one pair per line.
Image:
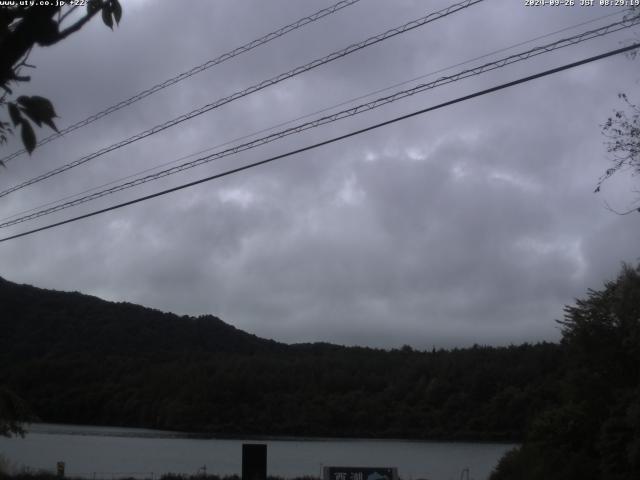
79,359
38,322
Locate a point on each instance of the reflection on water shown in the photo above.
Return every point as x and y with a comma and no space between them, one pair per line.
108,451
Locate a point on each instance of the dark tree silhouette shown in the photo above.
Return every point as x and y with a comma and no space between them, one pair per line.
622,131
21,28
595,432
13,413
623,142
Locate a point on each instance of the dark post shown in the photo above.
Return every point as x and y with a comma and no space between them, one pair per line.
254,461
60,469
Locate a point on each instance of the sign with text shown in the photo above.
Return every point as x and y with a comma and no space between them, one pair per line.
360,473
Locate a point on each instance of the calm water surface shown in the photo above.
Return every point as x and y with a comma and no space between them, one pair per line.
111,452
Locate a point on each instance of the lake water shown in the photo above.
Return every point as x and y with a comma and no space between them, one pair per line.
113,452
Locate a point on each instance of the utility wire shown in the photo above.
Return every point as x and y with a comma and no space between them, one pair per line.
257,87
487,67
195,70
332,140
323,110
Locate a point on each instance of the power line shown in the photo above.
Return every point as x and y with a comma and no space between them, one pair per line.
336,116
302,117
193,71
332,140
259,86
518,57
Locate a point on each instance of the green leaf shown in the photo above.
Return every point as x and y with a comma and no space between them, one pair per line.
106,16
44,106
34,118
51,125
14,113
39,109
116,8
28,137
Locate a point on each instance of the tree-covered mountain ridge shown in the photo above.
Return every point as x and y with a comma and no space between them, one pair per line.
75,358
37,321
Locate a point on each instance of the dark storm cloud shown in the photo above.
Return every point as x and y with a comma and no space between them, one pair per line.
475,223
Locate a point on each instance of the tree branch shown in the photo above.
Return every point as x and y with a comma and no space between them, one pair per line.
79,24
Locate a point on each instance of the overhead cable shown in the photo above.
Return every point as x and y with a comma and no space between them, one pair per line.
193,71
487,67
257,87
307,115
331,140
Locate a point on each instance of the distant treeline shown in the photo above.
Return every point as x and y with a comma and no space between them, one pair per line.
77,359
28,475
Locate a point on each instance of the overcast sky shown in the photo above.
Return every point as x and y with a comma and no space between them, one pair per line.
472,224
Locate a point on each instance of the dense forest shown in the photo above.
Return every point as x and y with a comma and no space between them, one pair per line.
573,406
77,359
593,432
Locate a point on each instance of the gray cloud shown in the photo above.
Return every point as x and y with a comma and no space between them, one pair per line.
475,223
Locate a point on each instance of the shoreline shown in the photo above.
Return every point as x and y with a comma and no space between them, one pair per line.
47,428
